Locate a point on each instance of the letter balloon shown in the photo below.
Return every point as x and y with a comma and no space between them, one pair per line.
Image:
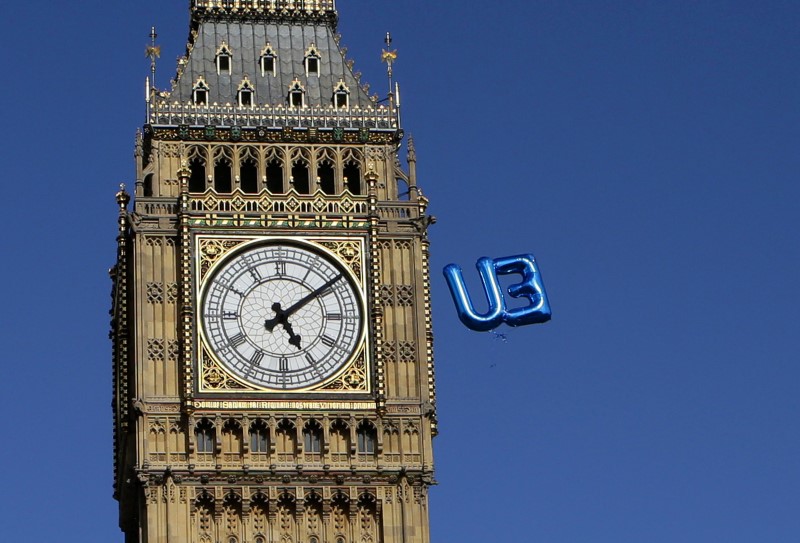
531,287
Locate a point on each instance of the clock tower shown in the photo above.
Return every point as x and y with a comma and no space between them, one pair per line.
273,371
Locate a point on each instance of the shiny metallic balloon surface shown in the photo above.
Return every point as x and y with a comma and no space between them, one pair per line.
531,287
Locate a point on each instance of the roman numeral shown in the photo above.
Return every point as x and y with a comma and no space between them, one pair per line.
310,359
334,316
237,340
255,360
280,267
326,292
229,315
327,341
254,274
283,364
235,290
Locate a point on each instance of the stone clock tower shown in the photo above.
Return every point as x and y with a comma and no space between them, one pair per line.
273,372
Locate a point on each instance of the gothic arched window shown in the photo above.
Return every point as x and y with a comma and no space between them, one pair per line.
259,437
223,59
200,92
312,437
312,59
205,436
268,60
300,177
366,438
223,175
275,176
297,94
231,439
339,441
246,94
341,96
326,177
352,176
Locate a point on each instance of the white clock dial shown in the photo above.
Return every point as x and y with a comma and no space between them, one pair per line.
282,315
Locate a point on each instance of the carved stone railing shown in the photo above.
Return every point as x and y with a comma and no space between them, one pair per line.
157,206
268,204
398,212
316,204
176,114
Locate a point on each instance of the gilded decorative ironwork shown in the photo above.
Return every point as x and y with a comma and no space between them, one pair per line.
348,251
352,380
292,202
214,378
212,250
354,377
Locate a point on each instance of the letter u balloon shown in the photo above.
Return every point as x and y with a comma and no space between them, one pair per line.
531,287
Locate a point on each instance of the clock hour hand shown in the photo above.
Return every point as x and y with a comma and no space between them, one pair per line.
282,318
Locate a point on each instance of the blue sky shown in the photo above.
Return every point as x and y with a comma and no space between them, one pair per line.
645,152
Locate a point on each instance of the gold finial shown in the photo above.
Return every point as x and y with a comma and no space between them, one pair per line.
153,52
388,56
123,197
184,172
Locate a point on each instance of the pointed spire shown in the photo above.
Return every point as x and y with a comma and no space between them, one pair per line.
153,52
412,165
388,56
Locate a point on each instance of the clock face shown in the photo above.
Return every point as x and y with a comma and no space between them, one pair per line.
282,315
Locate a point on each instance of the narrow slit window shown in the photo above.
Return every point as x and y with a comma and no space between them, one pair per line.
148,185
275,177
352,178
325,178
197,178
248,176
300,178
222,177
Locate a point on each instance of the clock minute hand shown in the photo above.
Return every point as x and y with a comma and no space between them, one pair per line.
282,315
307,298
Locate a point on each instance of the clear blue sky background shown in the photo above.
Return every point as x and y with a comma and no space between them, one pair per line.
645,151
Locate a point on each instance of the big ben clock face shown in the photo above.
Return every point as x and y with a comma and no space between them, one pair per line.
282,315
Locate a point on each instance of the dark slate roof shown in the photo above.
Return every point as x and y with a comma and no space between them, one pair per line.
246,40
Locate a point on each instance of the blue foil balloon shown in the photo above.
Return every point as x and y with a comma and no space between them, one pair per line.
531,287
